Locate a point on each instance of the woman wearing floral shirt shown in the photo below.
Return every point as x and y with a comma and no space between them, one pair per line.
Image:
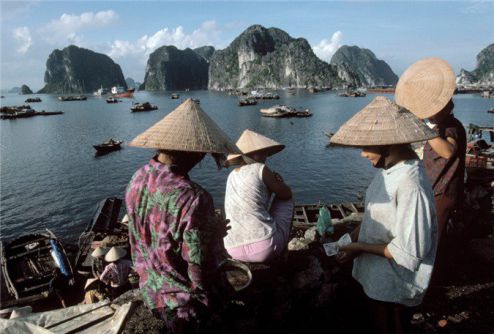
176,241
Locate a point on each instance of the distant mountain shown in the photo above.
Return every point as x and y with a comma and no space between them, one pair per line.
269,58
169,68
131,83
25,90
361,68
483,73
78,70
15,90
205,51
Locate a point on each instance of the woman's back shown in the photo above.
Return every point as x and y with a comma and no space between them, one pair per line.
246,206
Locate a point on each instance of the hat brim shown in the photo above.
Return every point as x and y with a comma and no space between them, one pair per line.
235,159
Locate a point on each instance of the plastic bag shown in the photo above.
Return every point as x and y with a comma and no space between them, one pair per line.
324,225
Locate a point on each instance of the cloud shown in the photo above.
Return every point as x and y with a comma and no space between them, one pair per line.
326,48
207,34
22,36
68,26
476,7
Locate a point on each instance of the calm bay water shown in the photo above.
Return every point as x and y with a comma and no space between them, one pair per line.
50,177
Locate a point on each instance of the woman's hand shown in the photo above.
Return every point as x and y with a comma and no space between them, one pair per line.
348,253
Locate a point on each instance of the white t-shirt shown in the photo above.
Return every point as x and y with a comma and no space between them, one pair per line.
399,211
246,206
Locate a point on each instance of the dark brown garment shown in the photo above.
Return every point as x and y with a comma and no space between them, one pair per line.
446,175
445,205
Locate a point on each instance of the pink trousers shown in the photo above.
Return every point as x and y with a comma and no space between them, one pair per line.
266,250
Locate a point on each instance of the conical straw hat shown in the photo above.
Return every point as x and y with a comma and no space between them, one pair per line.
250,142
114,254
89,282
426,87
99,252
187,128
382,122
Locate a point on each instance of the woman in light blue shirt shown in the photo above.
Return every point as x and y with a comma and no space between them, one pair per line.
394,248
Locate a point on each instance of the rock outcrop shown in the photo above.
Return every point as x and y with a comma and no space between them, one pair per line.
169,68
15,90
484,72
205,51
269,58
360,68
78,70
25,90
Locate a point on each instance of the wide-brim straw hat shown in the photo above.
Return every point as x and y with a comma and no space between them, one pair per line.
382,122
187,128
252,142
90,282
426,87
114,254
99,252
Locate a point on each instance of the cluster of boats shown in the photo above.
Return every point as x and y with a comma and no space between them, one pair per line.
282,111
24,111
30,261
33,100
479,159
355,93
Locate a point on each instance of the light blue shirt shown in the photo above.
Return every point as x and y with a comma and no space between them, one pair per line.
399,212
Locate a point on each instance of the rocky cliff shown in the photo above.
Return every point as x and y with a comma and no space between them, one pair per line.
78,70
484,73
360,67
205,51
269,58
169,68
25,90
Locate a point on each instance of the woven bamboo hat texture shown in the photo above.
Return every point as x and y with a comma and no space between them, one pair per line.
187,128
99,252
382,122
90,282
426,87
114,254
251,142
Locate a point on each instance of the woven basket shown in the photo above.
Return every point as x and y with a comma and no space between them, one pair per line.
382,122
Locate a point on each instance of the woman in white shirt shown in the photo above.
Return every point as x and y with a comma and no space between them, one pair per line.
394,248
260,228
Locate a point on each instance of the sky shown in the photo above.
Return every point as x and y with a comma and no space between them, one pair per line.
398,32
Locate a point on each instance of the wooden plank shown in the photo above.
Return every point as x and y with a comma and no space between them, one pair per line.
82,321
13,257
112,325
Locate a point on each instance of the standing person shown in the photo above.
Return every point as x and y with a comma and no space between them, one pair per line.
176,240
426,89
395,246
259,232
116,272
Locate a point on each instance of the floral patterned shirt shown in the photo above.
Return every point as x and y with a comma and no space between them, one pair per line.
173,235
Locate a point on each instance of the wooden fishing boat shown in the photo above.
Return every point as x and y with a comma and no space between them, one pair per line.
146,106
33,99
73,98
175,96
247,102
305,215
108,146
28,263
104,230
479,159
112,99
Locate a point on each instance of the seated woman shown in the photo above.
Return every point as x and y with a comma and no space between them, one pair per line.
395,246
258,233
